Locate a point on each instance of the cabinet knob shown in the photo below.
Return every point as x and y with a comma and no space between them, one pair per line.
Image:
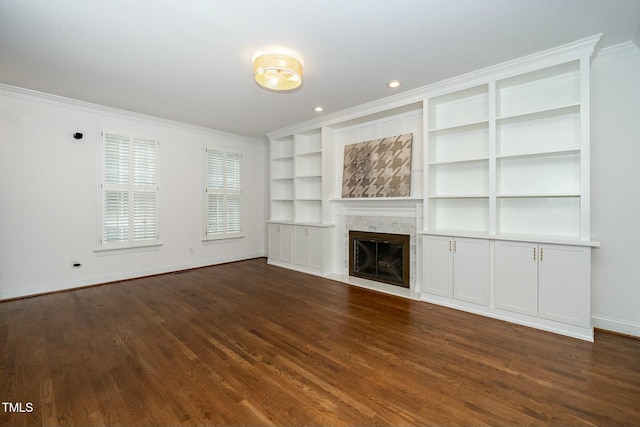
534,254
541,254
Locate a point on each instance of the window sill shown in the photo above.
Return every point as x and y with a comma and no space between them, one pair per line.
219,238
128,249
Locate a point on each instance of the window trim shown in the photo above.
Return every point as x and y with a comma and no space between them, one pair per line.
225,235
145,244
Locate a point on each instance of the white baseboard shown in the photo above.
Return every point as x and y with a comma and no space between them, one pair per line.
616,325
298,268
65,286
579,332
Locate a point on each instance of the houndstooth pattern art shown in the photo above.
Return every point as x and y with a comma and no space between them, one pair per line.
378,168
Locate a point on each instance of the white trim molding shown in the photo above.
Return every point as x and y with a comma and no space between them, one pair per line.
616,325
29,94
616,53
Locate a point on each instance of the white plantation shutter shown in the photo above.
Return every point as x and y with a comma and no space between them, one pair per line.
129,190
223,193
116,188
215,169
116,216
144,216
232,183
145,187
215,218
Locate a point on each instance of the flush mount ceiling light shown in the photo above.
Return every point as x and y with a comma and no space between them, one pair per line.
277,70
393,84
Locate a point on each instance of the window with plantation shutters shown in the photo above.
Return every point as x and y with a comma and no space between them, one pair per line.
128,190
222,193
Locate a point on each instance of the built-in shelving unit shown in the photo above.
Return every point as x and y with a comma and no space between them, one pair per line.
538,153
296,178
308,177
506,157
500,189
281,168
297,230
458,160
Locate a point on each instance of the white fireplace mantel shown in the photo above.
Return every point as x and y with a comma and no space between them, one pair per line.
398,207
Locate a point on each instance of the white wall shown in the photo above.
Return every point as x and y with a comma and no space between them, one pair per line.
48,196
615,189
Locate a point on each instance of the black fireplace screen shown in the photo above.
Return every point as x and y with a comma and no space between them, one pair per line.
379,256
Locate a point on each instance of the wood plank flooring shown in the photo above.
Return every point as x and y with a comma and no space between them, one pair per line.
251,344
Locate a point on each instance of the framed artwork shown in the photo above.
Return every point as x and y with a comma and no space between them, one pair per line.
378,168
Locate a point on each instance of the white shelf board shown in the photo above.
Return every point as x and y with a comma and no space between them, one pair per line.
376,199
512,237
535,195
461,161
309,153
459,196
461,126
544,113
302,223
539,154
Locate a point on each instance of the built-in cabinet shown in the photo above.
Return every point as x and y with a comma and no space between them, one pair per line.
501,164
457,268
564,284
308,244
298,234
300,247
545,280
508,162
280,243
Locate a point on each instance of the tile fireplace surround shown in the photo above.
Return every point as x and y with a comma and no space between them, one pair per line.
381,218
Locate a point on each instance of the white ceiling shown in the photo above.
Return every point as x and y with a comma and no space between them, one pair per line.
190,60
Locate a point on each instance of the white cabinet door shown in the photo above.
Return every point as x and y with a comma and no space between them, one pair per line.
301,245
287,243
516,277
308,246
316,246
280,242
275,242
438,265
565,284
471,270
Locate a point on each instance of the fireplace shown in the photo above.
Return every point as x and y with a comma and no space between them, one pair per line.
381,257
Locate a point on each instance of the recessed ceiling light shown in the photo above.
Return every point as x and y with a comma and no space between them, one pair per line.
393,84
318,109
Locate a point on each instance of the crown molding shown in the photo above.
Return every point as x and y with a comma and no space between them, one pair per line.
557,55
61,101
615,53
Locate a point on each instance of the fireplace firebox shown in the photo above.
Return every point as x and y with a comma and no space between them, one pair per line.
382,257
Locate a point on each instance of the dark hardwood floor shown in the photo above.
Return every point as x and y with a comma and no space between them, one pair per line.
250,344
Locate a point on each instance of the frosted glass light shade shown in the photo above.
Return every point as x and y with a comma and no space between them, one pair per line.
277,71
